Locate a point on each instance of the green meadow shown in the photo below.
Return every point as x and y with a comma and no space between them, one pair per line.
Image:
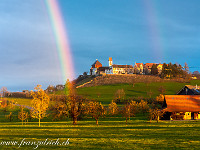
106,93
111,133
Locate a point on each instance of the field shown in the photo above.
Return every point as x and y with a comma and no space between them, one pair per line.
106,93
111,133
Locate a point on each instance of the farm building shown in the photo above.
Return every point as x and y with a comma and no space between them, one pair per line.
181,107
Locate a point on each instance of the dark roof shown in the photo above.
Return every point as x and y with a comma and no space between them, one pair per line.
182,103
103,68
189,90
122,66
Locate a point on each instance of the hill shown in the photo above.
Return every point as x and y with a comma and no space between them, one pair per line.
142,87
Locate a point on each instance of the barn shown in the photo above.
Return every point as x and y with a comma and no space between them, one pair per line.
189,90
181,107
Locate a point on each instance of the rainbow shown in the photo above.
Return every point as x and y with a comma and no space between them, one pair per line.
62,42
154,30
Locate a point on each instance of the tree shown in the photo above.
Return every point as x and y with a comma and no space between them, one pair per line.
129,110
96,110
74,103
160,98
3,91
186,68
112,108
154,69
50,88
69,88
60,110
150,93
85,74
40,103
162,89
143,106
22,115
155,114
120,94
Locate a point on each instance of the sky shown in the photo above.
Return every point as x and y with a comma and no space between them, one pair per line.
129,31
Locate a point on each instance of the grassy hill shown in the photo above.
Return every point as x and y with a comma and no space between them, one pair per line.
106,93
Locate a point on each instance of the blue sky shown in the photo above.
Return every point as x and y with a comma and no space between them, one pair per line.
128,30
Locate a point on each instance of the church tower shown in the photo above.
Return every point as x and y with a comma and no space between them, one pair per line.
110,62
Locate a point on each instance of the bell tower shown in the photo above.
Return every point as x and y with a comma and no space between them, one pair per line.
110,62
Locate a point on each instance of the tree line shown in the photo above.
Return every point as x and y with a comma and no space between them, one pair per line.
75,107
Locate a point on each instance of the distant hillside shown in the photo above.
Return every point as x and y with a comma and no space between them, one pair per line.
106,93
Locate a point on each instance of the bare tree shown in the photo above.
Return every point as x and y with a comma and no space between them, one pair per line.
3,91
120,94
162,89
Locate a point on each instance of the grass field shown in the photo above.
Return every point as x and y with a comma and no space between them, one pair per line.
21,101
111,133
106,93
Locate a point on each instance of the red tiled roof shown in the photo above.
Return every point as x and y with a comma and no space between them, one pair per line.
138,64
149,64
96,64
182,103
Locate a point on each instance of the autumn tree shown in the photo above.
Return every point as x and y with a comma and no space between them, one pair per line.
40,103
60,110
129,110
96,110
143,106
160,98
22,115
74,103
155,114
112,108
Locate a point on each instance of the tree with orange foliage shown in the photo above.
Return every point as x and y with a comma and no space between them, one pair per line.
74,103
112,108
40,103
129,110
95,109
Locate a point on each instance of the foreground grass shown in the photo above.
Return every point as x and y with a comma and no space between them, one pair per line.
111,133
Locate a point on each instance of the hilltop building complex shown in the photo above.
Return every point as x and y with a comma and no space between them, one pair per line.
138,68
